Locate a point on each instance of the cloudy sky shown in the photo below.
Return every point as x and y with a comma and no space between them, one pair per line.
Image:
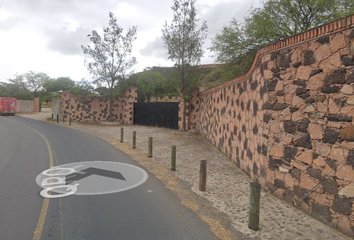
46,35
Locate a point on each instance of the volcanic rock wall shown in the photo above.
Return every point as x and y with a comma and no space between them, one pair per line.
96,109
288,123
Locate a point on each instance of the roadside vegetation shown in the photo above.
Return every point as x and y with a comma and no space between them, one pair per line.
236,45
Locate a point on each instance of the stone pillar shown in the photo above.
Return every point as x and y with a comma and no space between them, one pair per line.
129,98
180,113
36,105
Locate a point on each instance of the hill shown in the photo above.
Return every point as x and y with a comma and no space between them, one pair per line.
210,74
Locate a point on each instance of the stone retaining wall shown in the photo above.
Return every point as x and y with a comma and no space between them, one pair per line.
96,109
288,123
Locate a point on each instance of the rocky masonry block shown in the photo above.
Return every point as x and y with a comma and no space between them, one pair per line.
288,123
96,109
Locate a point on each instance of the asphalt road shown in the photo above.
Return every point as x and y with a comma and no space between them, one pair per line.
148,211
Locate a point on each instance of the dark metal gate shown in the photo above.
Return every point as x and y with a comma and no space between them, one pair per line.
157,114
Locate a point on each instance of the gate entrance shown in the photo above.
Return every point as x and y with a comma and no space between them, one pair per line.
157,114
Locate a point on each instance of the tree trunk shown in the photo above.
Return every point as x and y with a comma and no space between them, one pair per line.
184,99
110,118
184,116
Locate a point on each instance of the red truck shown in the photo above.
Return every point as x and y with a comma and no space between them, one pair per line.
8,106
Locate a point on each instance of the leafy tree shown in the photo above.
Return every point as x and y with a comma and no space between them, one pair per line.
61,84
282,18
345,7
3,90
103,91
44,96
172,79
237,44
83,89
163,81
184,42
110,55
150,84
17,87
145,88
35,81
131,81
23,86
53,88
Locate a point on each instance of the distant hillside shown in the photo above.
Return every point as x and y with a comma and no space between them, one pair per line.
210,74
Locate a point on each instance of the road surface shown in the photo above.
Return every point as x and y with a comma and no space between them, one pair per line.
148,211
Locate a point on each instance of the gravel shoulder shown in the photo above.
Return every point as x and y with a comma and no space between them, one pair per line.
41,116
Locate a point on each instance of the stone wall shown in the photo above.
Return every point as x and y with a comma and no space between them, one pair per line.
96,109
288,123
28,106
25,106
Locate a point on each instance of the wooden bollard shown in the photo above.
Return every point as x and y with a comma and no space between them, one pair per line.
173,158
203,175
52,117
150,147
57,118
253,215
121,134
70,121
134,139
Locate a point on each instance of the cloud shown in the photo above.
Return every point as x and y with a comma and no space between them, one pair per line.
46,35
216,15
222,13
10,23
67,42
155,49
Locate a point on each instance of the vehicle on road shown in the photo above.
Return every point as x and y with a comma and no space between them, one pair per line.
8,106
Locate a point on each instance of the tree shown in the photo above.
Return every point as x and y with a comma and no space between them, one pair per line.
233,47
35,81
24,86
110,55
44,96
150,84
102,91
163,79
17,87
184,42
83,89
171,84
131,81
237,44
282,18
345,7
61,84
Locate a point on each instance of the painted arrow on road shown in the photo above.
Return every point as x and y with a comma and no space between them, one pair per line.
93,171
